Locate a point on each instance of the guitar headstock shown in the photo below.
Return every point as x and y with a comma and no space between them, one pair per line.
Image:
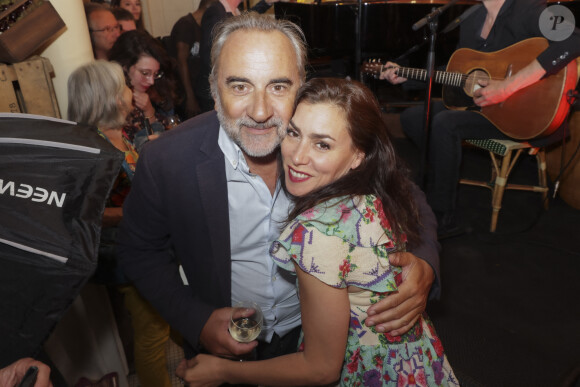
372,67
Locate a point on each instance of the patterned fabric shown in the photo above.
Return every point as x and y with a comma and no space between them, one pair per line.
346,242
134,122
122,184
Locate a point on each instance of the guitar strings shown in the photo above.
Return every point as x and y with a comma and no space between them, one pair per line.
463,76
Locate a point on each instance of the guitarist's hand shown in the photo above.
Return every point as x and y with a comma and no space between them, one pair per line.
491,92
494,91
390,74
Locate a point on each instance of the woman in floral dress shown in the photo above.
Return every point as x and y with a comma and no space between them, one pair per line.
352,209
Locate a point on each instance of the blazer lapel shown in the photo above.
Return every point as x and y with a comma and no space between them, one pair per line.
214,198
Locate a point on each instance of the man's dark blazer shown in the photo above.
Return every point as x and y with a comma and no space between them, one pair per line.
179,202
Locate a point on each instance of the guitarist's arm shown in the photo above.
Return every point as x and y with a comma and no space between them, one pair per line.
552,60
494,91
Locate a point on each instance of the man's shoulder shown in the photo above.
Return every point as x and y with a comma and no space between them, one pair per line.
178,24
213,12
198,133
200,126
184,23
207,119
523,6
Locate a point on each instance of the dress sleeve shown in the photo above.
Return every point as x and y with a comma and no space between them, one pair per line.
351,252
314,252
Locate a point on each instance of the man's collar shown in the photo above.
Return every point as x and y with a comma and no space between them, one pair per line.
232,151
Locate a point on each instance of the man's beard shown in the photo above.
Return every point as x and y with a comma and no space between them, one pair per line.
252,145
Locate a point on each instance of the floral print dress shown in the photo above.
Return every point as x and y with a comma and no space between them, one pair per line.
122,184
346,242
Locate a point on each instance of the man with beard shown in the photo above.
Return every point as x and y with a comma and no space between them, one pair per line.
207,197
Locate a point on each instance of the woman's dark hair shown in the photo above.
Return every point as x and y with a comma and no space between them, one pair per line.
131,46
381,173
122,14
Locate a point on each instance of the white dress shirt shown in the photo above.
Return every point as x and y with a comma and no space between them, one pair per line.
255,222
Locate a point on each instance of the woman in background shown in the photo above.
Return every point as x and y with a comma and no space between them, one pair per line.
148,72
352,209
125,19
99,96
184,47
133,6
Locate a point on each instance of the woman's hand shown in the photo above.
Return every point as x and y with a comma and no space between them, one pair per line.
202,371
142,101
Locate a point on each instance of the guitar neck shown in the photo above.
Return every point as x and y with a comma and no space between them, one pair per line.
442,77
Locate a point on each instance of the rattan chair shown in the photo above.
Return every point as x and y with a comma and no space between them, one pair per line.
504,154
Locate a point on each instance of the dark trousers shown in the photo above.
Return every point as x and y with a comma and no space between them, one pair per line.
448,129
279,345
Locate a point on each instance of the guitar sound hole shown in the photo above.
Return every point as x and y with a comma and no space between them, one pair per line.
471,84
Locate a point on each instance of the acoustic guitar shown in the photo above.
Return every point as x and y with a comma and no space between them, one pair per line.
537,110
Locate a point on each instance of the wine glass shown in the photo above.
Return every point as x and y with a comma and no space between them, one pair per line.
245,321
171,122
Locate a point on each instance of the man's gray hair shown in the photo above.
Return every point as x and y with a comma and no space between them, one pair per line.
256,22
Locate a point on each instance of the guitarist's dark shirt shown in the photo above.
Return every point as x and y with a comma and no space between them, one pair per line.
518,20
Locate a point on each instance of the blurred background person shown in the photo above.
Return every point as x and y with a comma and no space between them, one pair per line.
184,47
103,29
148,72
133,6
124,18
99,96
